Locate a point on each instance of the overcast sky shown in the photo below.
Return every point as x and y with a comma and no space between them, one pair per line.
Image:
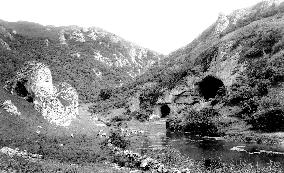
161,25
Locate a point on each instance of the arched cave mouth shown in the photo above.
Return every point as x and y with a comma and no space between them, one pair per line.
165,111
21,91
210,87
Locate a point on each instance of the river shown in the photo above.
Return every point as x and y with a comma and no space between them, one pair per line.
214,149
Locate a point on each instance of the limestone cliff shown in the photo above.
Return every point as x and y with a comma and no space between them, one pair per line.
57,103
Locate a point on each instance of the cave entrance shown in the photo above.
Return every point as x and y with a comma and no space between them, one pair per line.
21,91
210,87
165,111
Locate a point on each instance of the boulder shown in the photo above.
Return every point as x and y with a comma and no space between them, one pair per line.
11,108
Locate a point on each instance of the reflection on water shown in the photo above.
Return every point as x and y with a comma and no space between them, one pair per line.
211,150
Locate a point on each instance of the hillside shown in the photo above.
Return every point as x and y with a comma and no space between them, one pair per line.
90,59
235,67
191,57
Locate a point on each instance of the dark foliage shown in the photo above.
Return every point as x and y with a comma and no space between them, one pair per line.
141,115
105,94
268,120
204,122
117,139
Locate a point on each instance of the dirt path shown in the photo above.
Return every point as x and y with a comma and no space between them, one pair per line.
86,123
84,110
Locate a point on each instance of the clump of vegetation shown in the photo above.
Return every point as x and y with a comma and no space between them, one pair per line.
269,116
268,121
105,94
120,118
204,122
117,139
141,115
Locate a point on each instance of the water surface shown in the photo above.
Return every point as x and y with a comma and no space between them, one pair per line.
216,149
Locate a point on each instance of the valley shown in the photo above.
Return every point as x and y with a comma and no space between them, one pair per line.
76,99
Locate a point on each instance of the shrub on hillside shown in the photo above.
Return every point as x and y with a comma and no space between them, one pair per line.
117,139
269,116
204,122
105,94
248,107
271,120
141,115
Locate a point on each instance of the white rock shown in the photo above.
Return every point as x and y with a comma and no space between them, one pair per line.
57,103
154,117
11,108
4,45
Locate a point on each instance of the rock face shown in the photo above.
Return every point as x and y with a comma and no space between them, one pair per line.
58,103
10,107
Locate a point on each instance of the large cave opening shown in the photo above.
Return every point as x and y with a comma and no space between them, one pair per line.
210,87
165,111
21,91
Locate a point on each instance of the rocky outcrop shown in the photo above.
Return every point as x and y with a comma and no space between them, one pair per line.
24,154
4,45
11,108
58,103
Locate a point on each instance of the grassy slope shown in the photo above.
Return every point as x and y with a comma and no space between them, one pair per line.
82,152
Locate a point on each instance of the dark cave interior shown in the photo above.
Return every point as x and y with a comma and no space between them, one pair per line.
165,111
210,86
21,91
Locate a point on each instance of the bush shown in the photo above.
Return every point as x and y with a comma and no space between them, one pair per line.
141,115
117,139
248,107
105,94
203,122
239,93
269,116
174,123
119,118
268,120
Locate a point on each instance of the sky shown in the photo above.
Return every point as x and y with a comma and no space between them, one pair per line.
160,25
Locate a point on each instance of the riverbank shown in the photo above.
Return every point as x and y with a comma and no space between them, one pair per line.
89,150
172,159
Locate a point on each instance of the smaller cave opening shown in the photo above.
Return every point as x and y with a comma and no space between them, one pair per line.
21,91
165,111
210,87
